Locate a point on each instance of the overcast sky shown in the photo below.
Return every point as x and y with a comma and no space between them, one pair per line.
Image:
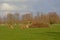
29,5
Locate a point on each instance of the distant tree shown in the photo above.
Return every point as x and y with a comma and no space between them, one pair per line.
37,17
10,19
44,18
4,20
27,17
53,17
17,18
0,20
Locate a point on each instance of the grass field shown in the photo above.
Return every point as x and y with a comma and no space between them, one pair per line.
52,33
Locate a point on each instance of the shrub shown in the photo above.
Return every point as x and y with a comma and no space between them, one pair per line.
39,25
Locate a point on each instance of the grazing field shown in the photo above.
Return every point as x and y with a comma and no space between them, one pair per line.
52,33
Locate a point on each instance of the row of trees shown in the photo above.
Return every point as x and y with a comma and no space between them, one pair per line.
51,18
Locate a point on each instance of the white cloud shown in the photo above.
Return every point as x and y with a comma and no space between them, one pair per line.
23,7
6,6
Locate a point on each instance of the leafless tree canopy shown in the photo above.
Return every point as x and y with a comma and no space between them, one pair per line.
50,18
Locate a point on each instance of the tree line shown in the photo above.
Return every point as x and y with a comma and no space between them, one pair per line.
50,18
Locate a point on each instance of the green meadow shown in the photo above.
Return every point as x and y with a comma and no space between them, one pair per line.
51,33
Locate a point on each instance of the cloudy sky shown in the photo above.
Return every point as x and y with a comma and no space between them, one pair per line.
29,5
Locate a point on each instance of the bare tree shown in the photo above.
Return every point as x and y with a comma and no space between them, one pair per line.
37,17
0,20
53,17
17,18
10,20
27,17
45,18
